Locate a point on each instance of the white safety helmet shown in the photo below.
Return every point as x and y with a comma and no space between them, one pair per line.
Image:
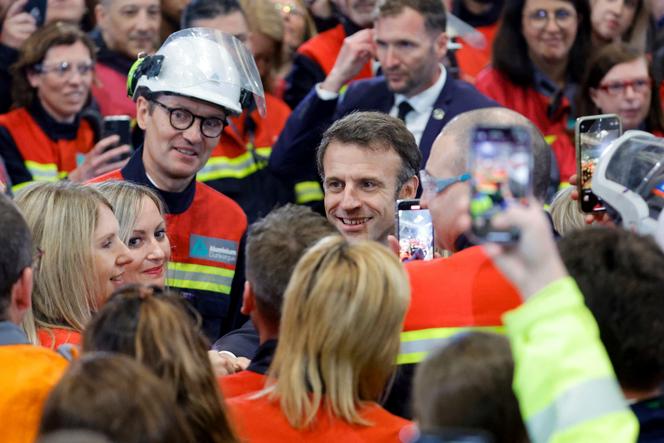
630,179
201,63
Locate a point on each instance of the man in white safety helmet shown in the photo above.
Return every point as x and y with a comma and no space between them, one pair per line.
184,95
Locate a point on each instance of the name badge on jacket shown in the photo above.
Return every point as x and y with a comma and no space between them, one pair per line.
214,249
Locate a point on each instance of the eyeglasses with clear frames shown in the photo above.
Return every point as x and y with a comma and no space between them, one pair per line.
639,85
64,69
433,185
539,18
182,119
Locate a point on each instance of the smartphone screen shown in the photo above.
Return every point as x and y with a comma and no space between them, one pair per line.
501,166
415,231
593,135
118,125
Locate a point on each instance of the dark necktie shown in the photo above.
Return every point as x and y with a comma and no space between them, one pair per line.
404,109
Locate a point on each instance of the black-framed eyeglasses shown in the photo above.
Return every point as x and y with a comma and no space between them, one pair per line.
431,184
64,69
182,119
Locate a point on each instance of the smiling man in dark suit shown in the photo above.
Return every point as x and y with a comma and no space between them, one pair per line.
409,41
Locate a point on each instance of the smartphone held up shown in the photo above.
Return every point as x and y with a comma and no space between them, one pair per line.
119,125
592,135
501,164
414,231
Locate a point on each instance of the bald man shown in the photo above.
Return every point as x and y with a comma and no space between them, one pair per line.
464,291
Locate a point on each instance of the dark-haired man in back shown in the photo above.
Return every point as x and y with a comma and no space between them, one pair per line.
27,372
410,42
621,279
274,246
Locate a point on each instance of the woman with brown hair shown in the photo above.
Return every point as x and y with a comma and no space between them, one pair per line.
42,137
157,329
619,81
117,397
338,342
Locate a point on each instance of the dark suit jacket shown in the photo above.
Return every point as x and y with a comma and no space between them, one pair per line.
294,154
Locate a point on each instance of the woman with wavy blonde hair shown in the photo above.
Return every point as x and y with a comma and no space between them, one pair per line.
140,213
81,260
157,329
338,342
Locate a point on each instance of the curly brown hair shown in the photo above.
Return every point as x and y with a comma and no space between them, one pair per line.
34,51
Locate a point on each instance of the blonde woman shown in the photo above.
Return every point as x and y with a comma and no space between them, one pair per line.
338,342
81,260
565,212
140,212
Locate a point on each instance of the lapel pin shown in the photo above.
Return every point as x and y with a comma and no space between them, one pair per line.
438,114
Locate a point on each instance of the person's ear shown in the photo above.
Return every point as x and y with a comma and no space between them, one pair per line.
21,296
248,299
440,45
409,189
142,112
100,14
33,78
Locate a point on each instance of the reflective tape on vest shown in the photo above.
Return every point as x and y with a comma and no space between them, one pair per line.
238,167
306,192
584,402
416,345
43,172
203,278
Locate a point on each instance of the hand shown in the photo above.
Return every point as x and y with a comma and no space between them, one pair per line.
600,218
17,26
356,51
223,363
98,162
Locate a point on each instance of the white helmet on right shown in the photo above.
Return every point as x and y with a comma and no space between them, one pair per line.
201,63
630,179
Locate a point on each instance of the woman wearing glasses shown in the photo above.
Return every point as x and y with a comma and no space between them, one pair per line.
618,81
539,56
46,138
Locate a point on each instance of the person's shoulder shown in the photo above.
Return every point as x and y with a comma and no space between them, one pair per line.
473,256
41,361
386,425
468,94
275,105
241,383
492,80
332,36
109,176
216,201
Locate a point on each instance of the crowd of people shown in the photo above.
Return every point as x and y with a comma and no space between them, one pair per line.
228,269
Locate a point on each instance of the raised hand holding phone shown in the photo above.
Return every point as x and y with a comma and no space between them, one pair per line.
500,164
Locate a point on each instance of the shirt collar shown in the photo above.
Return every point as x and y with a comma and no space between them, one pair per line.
53,129
11,334
176,202
561,101
263,358
424,101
